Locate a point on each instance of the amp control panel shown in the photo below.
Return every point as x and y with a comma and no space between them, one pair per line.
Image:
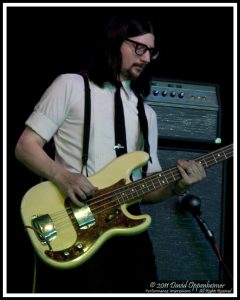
186,110
184,94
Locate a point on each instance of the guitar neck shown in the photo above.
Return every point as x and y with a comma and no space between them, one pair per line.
146,185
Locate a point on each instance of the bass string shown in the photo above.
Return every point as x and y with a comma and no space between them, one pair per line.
116,199
173,172
63,220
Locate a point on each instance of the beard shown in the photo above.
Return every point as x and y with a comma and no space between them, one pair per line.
134,71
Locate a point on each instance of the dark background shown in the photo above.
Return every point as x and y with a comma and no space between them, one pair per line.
196,44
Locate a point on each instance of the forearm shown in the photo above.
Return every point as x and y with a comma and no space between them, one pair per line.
33,156
29,151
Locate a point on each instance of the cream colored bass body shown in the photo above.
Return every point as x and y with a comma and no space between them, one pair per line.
65,236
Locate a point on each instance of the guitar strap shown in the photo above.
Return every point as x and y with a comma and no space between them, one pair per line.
144,128
87,119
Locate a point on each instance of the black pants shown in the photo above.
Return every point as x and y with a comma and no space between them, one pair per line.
121,265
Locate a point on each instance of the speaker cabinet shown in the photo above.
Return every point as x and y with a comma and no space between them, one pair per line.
181,249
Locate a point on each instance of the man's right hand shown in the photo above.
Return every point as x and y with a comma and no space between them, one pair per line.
75,186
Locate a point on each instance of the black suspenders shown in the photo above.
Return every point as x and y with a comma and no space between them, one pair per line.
87,120
144,128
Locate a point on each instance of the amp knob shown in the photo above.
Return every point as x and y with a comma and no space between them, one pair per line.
181,95
164,93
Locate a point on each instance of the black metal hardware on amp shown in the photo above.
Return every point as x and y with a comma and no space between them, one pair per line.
186,110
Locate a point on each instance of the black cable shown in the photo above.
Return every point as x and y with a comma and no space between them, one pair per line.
193,203
210,237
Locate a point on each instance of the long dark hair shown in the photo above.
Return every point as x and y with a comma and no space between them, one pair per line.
105,67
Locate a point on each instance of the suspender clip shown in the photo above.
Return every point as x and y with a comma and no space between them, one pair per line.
118,146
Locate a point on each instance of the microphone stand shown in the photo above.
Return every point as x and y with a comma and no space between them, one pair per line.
210,237
193,203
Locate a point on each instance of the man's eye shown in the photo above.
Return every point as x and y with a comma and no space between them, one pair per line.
141,47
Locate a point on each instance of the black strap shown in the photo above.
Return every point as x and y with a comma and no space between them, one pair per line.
144,128
87,119
119,125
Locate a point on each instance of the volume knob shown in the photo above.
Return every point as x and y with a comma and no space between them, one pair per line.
181,95
164,93
155,92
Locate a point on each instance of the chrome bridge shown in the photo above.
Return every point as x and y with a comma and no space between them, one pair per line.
44,228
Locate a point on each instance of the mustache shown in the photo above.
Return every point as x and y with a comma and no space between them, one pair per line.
143,65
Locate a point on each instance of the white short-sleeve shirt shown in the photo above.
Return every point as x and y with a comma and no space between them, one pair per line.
60,114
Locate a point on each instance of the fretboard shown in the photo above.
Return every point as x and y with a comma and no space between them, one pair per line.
139,188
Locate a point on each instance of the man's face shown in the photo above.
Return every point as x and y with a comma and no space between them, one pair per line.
133,64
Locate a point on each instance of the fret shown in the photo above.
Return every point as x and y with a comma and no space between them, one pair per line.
120,197
204,163
221,156
162,180
173,175
150,186
215,158
143,190
133,193
225,155
154,187
174,178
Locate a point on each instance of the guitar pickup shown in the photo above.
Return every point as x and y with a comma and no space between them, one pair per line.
44,228
84,216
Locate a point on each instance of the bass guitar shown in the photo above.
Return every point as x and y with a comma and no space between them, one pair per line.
65,236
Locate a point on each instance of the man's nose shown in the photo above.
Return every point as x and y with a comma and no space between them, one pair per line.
146,56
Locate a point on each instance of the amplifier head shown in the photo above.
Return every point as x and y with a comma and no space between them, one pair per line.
189,111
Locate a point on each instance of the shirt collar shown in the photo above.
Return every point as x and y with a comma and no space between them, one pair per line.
126,86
